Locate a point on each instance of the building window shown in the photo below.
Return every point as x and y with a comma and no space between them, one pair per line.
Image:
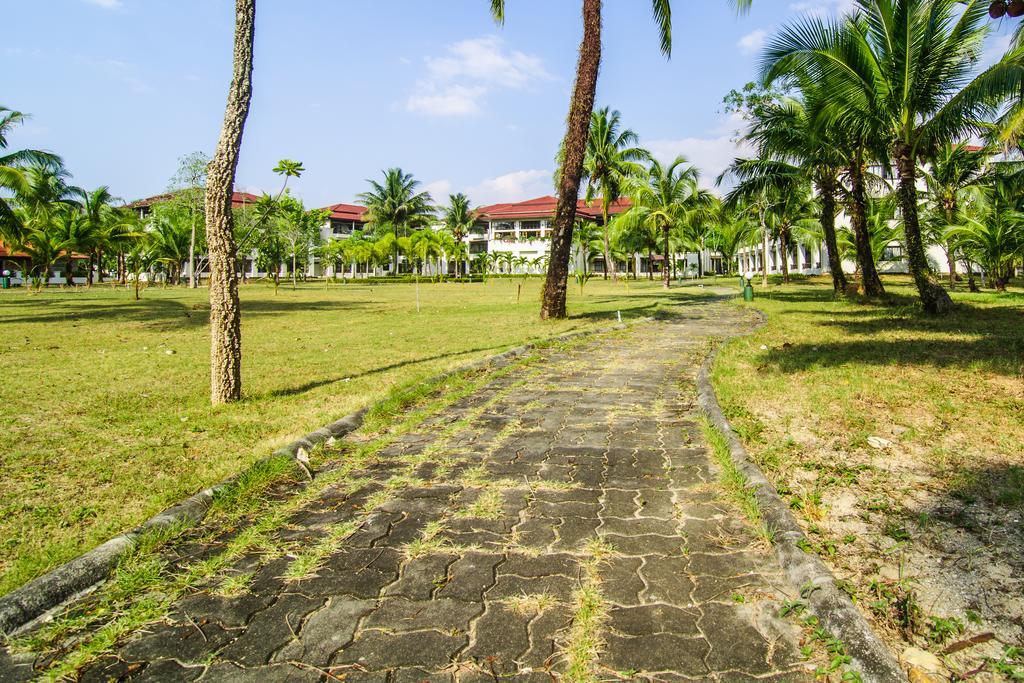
341,227
893,252
504,231
529,230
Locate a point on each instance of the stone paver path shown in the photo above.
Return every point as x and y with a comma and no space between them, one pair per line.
563,521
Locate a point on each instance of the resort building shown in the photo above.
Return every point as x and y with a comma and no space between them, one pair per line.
144,207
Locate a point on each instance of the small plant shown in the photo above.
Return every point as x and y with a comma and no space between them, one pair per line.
940,630
793,607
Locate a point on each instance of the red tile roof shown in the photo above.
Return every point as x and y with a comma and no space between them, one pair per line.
347,212
238,200
544,207
7,253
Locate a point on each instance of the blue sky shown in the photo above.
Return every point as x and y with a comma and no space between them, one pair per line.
123,88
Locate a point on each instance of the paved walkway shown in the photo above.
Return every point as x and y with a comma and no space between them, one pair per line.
564,520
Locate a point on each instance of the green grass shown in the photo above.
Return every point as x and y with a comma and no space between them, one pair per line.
895,437
101,427
733,481
945,389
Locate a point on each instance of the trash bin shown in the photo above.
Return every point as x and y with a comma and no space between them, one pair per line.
5,280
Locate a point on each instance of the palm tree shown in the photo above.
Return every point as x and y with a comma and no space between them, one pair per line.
44,247
73,229
587,240
666,198
581,105
612,158
953,168
785,131
396,207
11,163
634,238
225,316
902,69
458,221
733,228
169,244
881,232
97,206
991,232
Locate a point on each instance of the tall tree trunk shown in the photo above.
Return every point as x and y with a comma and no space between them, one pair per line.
870,282
764,251
951,264
574,144
827,193
650,265
192,256
69,271
784,248
934,298
666,279
225,316
972,285
609,264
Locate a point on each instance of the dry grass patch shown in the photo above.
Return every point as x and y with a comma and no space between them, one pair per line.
896,438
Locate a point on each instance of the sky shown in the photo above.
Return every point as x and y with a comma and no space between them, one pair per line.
122,89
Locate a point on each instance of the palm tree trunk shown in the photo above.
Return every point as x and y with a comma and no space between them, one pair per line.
764,251
934,298
667,277
192,256
650,265
951,264
972,285
225,316
577,129
68,273
871,284
609,265
784,248
827,193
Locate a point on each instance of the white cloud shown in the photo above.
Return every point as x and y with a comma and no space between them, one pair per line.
439,190
451,100
511,187
105,4
457,83
711,155
752,42
823,8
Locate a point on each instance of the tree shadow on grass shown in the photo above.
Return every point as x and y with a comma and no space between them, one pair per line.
165,313
316,384
990,338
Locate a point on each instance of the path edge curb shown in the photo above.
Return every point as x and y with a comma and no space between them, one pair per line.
23,607
804,571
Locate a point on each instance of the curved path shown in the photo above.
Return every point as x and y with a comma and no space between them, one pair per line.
565,519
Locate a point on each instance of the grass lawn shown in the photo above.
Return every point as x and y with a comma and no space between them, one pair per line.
899,441
106,417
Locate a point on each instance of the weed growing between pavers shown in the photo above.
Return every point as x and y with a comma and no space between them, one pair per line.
145,585
582,645
733,480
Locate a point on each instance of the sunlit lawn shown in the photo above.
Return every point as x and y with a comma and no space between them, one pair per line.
104,414
939,501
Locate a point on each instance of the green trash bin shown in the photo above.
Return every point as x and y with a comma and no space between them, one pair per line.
5,280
